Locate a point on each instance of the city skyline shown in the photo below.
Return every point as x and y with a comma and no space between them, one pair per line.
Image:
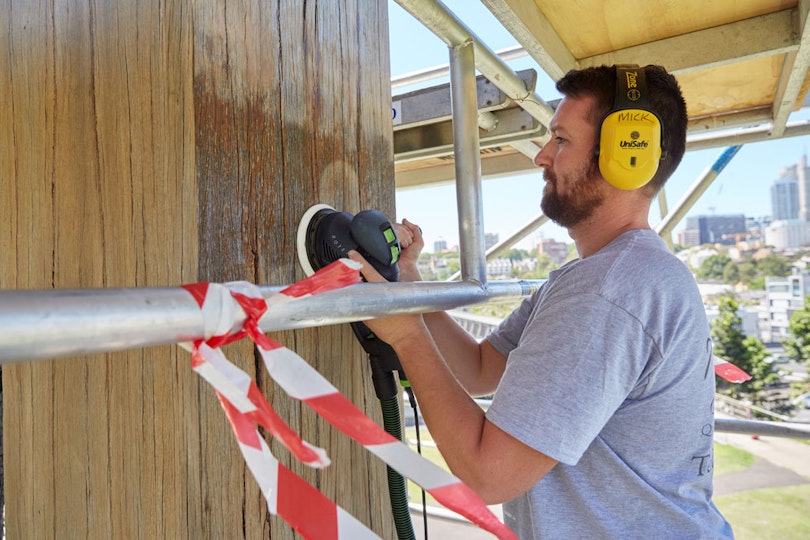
511,202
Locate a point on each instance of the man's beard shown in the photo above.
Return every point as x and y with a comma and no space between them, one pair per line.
583,198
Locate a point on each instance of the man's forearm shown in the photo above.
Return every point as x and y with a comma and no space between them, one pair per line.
477,371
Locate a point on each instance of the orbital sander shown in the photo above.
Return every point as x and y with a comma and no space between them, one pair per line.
326,235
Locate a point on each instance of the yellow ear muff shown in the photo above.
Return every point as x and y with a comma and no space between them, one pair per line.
630,136
629,148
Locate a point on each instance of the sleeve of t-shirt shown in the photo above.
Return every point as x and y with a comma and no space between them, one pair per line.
572,368
507,335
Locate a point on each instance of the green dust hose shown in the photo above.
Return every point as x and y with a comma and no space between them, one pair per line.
397,489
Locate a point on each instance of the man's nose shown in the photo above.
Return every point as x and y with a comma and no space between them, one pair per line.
541,159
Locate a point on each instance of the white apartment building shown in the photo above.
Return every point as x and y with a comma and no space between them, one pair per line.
749,319
784,296
788,234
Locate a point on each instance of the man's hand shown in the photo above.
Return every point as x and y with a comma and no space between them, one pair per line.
393,329
411,242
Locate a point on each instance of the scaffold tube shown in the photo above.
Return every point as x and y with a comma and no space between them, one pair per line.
44,324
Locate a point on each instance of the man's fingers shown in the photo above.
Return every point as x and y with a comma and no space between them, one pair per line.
368,271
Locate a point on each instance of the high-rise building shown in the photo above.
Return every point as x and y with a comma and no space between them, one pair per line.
801,173
785,197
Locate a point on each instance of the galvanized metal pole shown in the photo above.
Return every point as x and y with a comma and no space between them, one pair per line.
792,430
53,323
466,147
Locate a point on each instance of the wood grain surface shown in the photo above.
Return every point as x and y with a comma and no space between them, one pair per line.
151,144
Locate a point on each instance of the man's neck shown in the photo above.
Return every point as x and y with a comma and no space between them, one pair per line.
607,223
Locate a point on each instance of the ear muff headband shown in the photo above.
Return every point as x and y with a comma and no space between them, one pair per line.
630,135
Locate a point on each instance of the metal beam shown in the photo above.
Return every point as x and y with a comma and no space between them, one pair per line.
794,71
428,74
492,166
532,30
793,430
744,136
432,105
447,27
436,140
738,119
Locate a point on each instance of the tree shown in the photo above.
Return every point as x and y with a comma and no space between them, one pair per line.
544,266
713,266
771,265
516,255
747,271
798,345
731,273
745,352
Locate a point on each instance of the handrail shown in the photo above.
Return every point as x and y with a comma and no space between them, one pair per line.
447,27
42,324
443,70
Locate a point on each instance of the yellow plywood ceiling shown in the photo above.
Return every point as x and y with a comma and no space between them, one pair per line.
731,87
591,27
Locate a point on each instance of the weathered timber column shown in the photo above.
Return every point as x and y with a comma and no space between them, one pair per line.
150,144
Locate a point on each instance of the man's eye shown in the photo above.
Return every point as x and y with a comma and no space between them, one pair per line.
559,140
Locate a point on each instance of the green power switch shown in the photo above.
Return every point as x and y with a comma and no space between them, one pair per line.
389,235
394,254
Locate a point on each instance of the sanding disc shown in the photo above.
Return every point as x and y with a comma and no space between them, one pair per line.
301,236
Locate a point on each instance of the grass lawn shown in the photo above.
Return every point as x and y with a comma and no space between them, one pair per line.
729,458
781,513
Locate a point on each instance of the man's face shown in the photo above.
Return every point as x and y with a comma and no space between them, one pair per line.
574,188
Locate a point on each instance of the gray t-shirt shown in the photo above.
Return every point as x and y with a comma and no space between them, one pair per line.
609,372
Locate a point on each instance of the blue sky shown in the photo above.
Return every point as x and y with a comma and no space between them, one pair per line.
509,203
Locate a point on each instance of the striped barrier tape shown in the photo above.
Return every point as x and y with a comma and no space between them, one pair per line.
288,496
245,406
728,371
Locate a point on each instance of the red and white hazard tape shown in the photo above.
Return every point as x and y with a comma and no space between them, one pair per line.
288,496
728,371
305,508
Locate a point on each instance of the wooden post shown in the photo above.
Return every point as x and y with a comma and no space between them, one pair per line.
147,144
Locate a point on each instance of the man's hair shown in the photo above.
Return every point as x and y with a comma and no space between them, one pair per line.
665,99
